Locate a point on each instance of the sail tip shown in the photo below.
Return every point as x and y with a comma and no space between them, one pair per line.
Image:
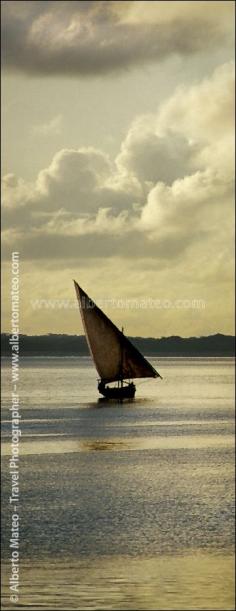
76,285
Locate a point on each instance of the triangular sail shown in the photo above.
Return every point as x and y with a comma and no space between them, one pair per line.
114,355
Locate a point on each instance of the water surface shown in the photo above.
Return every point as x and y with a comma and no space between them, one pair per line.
123,506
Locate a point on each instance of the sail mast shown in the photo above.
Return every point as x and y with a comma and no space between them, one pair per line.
122,355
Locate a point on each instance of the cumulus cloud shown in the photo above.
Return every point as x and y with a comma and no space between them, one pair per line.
91,38
189,206
204,116
78,193
169,188
154,155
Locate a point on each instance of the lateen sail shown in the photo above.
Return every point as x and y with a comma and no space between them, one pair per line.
114,355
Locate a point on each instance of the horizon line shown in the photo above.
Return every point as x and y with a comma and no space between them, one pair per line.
134,336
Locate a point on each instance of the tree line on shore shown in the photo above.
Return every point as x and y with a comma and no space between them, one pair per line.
76,345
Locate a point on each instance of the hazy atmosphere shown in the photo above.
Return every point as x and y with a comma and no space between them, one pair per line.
118,174
117,121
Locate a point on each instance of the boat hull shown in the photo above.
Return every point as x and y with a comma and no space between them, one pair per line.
120,393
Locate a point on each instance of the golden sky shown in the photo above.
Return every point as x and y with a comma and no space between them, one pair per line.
118,163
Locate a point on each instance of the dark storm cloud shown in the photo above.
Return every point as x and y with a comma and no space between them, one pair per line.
88,38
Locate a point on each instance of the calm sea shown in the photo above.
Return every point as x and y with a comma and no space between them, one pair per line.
123,506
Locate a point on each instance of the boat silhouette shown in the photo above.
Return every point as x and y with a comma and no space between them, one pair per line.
115,357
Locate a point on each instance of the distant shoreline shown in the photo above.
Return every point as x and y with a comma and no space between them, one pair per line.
217,345
147,356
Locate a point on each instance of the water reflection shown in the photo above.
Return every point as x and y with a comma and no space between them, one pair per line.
61,443
102,445
129,507
103,402
196,581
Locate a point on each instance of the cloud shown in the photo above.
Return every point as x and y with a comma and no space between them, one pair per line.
168,192
154,155
78,193
204,113
190,205
53,126
163,12
92,38
203,116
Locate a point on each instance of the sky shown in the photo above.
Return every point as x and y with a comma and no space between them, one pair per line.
118,163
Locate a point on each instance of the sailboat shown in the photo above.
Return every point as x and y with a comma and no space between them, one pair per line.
115,357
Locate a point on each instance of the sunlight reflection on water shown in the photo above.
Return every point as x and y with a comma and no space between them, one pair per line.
190,582
123,507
